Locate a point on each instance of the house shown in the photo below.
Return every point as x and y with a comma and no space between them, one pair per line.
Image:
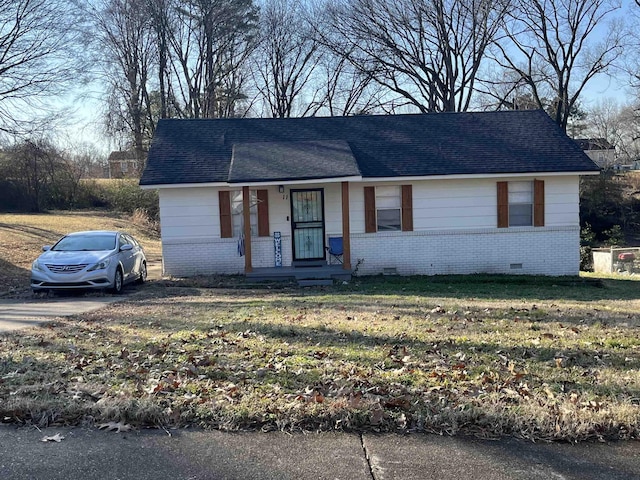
123,164
599,150
446,193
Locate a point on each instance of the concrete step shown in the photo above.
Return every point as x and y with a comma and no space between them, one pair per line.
315,283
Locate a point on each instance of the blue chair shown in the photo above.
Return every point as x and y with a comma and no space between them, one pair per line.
335,249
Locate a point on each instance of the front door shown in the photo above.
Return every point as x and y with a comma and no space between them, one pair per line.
307,224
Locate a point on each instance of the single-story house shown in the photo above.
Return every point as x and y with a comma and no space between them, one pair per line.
123,164
599,150
442,193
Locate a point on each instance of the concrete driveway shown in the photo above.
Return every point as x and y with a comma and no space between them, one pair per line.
17,314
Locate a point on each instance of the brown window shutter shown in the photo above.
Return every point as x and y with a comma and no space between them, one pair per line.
538,203
503,204
407,208
226,229
263,213
370,210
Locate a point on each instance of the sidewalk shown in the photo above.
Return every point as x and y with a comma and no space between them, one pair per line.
199,455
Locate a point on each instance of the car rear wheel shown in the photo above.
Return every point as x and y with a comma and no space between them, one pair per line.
118,281
143,274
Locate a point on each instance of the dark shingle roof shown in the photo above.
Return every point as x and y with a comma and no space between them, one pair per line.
594,144
264,161
201,151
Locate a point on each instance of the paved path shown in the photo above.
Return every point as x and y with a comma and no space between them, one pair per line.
16,314
199,455
28,312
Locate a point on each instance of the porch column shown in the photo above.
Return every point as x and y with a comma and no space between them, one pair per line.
246,213
346,232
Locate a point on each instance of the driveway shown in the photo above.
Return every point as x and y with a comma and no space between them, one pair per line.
17,314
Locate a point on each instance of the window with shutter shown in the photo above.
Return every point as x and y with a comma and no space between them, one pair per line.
388,208
520,204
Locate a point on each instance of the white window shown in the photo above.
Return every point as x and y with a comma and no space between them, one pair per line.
520,204
124,166
237,215
389,208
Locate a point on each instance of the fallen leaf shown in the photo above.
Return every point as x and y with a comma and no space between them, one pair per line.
376,416
55,438
118,427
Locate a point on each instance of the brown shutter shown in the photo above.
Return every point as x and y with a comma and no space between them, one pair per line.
226,229
503,204
263,213
370,210
407,208
538,203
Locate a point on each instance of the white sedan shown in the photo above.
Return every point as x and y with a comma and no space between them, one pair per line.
94,259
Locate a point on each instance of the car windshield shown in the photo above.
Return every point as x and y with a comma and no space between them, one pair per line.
75,243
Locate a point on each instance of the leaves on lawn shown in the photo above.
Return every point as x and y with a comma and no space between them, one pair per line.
383,364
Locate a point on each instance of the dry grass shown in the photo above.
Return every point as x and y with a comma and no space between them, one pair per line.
22,238
552,359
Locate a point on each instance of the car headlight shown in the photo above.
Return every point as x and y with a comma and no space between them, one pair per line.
101,265
36,266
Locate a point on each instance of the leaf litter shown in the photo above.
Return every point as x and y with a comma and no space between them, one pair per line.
305,363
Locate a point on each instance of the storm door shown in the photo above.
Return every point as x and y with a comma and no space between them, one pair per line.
307,224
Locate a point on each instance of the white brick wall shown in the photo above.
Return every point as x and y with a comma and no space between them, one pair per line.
189,257
525,250
544,251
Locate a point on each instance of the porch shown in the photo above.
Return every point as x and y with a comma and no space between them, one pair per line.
304,275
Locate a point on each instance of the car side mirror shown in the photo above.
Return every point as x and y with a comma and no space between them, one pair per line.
46,248
127,247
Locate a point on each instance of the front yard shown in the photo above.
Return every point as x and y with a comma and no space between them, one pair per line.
538,358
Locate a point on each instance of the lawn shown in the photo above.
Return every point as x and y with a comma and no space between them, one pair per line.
537,358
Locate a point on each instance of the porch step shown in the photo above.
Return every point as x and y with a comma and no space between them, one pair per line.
315,283
325,272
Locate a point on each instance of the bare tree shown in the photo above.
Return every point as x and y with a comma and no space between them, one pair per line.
37,59
427,51
347,90
211,43
285,59
34,165
551,47
160,16
127,50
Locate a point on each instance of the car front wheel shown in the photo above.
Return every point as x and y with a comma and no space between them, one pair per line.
118,281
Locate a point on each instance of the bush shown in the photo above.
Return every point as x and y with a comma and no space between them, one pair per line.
123,196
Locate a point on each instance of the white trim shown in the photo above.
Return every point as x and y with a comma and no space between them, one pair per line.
475,176
184,185
359,179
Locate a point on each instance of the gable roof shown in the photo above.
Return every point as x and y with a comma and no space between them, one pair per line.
594,144
120,155
274,149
